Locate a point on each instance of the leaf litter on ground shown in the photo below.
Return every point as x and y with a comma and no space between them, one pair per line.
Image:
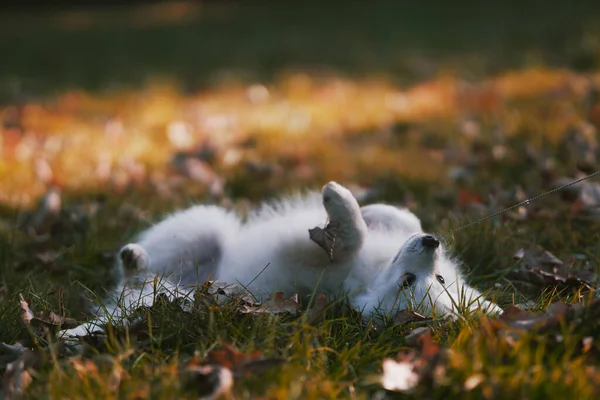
539,267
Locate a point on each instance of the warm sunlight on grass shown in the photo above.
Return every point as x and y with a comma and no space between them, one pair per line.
83,141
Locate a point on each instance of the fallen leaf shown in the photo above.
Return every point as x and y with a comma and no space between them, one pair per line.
26,313
541,268
536,257
43,323
547,279
232,291
276,305
399,376
52,321
556,315
406,316
526,320
326,238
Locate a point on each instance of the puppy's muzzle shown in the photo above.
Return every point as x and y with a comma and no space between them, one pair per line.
430,241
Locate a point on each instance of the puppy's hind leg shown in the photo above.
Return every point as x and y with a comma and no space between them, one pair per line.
185,247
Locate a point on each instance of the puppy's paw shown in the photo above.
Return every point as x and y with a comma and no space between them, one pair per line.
81,330
134,257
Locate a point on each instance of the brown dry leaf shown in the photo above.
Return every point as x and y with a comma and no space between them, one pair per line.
547,327
51,321
406,316
542,268
26,313
516,318
3,292
546,279
230,290
551,321
536,257
43,322
276,305
325,238
316,314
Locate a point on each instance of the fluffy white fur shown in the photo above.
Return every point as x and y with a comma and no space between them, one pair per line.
386,217
421,277
374,249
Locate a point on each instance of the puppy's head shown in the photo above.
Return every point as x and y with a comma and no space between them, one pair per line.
416,260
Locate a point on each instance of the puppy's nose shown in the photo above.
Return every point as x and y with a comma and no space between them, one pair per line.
430,241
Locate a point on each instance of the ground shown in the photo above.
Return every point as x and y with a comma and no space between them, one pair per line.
454,135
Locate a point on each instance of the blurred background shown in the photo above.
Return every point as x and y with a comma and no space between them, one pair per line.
416,103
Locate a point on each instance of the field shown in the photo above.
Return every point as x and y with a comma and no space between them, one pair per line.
112,118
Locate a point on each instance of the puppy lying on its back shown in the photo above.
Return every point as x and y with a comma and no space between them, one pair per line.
378,255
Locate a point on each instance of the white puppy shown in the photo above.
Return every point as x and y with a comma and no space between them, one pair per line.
377,254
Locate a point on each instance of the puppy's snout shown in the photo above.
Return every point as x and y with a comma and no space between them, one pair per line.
430,241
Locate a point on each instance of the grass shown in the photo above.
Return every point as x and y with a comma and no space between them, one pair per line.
452,145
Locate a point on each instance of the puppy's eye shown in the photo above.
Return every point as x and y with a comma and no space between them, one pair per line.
440,279
409,279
